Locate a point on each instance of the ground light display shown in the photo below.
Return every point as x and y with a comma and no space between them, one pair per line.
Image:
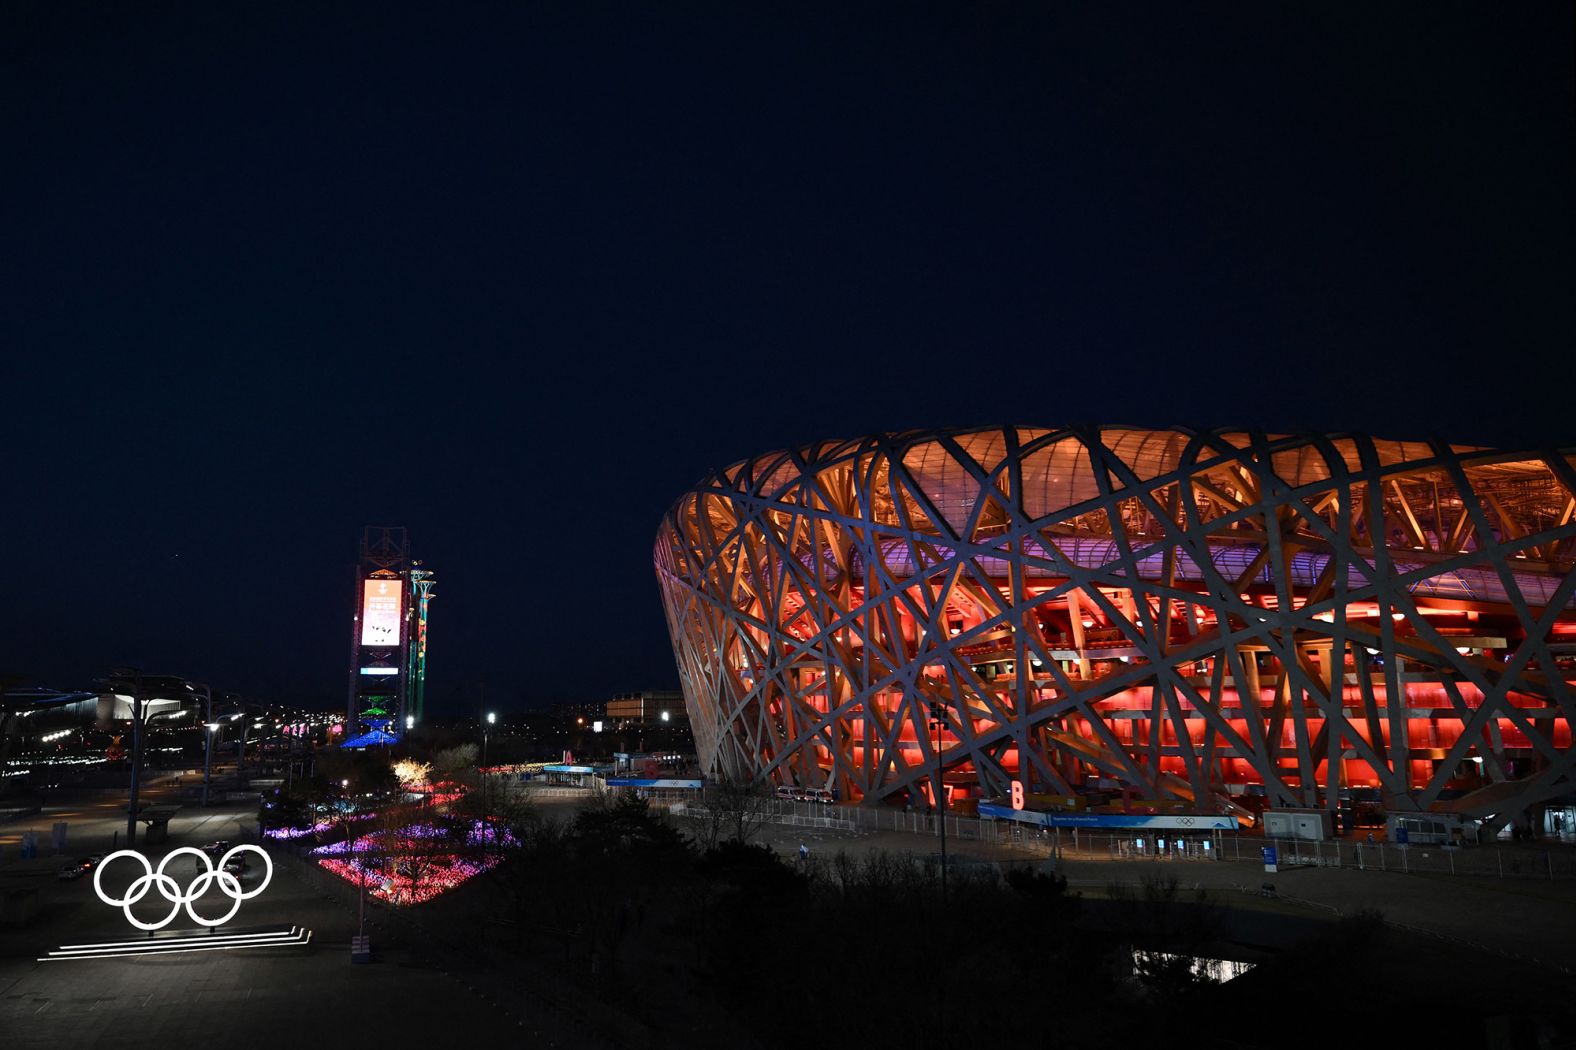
417,862
1197,621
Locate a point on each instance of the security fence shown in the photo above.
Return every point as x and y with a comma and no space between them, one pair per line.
1549,860
1539,860
1497,861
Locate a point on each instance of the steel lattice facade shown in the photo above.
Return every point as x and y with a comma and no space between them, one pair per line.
1186,617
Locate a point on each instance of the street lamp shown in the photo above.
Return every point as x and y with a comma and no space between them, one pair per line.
141,689
120,677
492,720
207,759
201,689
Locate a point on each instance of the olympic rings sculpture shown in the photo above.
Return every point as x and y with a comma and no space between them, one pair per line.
170,890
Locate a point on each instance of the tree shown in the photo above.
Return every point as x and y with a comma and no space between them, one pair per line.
494,811
536,873
625,857
454,763
734,813
413,775
358,772
284,809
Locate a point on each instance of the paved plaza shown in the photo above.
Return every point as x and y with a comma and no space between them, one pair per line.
315,991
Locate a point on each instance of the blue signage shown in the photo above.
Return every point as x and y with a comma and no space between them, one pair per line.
1271,856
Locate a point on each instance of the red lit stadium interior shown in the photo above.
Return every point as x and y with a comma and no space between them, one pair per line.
1202,622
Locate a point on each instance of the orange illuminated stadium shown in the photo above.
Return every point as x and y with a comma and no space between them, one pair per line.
1194,622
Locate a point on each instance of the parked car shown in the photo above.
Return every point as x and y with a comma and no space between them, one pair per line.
213,849
793,793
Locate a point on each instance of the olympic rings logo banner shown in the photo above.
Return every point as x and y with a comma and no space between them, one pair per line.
158,878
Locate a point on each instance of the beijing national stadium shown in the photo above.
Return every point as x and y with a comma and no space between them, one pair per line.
1216,622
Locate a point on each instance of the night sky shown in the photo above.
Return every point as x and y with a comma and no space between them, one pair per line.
515,275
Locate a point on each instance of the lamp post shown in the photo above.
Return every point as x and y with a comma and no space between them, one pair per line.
240,751
938,719
119,678
355,864
492,719
207,759
207,737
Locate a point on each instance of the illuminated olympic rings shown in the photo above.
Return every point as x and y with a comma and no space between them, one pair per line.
170,890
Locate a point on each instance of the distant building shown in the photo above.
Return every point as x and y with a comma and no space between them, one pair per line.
578,714
388,644
647,709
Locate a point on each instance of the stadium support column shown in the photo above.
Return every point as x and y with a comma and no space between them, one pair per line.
938,722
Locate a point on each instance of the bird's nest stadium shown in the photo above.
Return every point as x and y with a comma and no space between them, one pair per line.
1197,620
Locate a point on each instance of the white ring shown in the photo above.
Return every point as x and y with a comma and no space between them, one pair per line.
268,867
199,886
98,875
171,890
133,896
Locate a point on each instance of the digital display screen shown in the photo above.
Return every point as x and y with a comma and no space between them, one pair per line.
381,606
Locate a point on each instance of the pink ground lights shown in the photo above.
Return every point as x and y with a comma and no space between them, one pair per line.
416,863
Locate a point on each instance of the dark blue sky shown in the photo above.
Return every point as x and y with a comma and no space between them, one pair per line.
515,275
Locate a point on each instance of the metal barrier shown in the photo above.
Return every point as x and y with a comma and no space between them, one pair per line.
1531,862
1550,861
